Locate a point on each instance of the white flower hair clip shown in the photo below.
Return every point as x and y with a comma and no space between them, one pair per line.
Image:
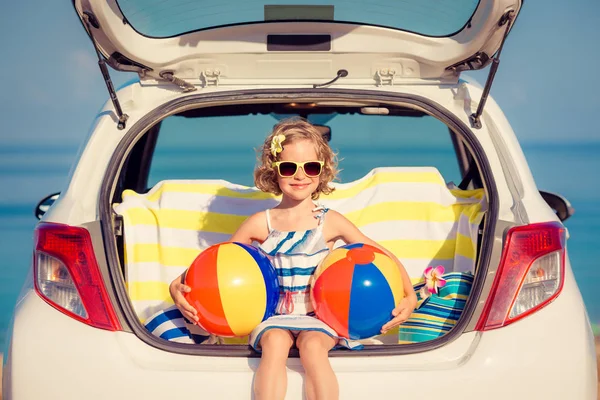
276,146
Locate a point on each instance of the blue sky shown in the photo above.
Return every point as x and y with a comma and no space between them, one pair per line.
547,84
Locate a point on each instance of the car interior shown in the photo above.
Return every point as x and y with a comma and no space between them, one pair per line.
404,141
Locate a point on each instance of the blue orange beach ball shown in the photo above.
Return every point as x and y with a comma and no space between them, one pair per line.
234,288
355,289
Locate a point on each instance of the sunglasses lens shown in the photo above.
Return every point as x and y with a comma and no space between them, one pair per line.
287,169
312,168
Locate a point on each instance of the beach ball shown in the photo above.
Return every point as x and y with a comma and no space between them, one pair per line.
355,289
234,288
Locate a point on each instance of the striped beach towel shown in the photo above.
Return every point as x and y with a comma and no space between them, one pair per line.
435,315
409,210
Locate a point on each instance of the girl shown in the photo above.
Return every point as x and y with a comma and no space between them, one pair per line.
297,163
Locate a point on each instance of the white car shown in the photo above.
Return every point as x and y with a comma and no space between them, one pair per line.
383,81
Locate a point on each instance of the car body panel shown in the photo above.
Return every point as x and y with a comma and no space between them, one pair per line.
523,360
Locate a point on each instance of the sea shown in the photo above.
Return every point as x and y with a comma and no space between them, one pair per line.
29,173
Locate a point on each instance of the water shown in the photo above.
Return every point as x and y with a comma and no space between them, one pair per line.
29,174
572,170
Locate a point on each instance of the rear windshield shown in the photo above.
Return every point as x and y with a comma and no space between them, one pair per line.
159,18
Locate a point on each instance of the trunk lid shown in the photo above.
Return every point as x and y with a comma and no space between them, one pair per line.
257,43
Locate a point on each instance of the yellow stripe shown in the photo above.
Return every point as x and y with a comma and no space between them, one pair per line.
254,194
183,219
456,296
415,281
467,194
473,212
391,272
150,290
408,329
421,249
167,256
403,249
242,288
228,224
203,188
417,317
465,246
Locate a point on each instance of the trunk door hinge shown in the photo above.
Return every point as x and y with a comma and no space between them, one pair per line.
475,118
478,61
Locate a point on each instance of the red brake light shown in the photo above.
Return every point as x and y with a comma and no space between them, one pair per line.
67,276
530,275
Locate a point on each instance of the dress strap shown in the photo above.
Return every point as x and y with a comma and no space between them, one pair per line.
321,216
268,220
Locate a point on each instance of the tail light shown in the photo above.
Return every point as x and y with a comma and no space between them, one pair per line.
67,276
530,275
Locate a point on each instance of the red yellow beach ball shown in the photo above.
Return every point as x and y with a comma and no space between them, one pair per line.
234,288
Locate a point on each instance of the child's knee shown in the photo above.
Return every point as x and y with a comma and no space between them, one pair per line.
276,339
315,342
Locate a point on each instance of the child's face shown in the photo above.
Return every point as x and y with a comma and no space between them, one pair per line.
300,186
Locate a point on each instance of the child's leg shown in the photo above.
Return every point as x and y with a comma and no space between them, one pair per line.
321,382
270,380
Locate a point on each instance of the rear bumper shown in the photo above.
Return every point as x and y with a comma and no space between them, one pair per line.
548,355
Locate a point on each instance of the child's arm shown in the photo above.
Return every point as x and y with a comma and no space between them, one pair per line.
341,228
254,228
177,289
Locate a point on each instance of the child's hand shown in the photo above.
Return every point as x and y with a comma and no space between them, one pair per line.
401,313
177,289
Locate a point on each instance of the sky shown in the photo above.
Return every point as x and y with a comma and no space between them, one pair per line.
547,83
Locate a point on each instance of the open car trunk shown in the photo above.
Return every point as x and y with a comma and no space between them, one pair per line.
194,44
167,215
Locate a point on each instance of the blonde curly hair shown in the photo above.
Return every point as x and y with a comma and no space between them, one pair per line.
295,129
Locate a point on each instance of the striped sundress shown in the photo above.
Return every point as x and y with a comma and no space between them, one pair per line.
295,256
